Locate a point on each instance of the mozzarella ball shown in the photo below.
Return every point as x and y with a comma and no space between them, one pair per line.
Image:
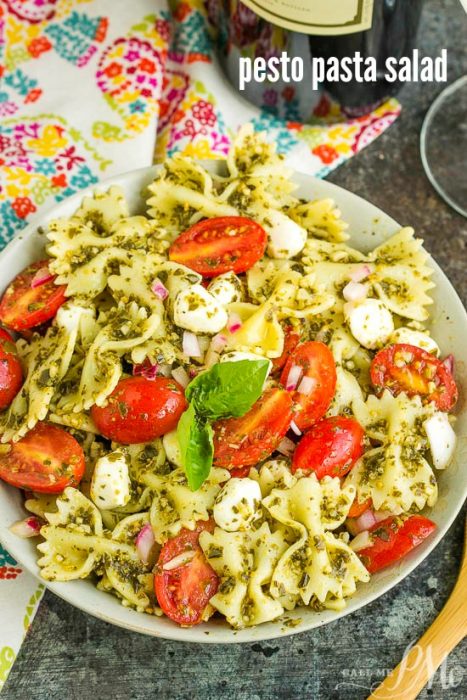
110,484
172,448
286,238
417,338
226,288
441,438
196,310
370,322
237,504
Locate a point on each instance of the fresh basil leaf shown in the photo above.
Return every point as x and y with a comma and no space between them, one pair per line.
228,388
195,437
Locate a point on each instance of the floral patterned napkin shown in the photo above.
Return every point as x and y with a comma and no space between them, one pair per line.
86,86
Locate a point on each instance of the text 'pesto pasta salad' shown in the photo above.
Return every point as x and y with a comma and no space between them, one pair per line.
219,407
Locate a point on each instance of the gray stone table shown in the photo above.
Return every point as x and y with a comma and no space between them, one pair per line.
69,655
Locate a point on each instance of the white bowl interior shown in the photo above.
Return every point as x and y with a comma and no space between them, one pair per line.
368,227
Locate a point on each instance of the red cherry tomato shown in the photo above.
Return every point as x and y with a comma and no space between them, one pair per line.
392,540
317,364
291,340
11,374
240,473
140,410
47,459
245,441
357,509
330,448
23,306
214,246
184,591
407,368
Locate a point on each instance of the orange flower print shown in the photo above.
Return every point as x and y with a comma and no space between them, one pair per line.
113,69
33,95
23,206
147,66
326,153
39,45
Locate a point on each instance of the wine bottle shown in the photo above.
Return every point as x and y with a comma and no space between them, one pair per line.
377,29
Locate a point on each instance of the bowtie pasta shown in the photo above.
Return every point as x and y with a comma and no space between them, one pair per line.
218,406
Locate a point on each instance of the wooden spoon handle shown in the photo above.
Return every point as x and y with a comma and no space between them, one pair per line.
407,680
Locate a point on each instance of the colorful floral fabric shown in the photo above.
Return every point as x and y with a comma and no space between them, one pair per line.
85,87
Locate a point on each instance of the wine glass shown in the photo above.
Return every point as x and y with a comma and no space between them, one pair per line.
443,144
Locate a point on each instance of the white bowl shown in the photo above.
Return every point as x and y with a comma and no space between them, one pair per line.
368,227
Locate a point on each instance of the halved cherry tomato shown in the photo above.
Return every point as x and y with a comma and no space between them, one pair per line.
184,592
392,540
330,448
357,508
291,340
317,363
240,473
47,459
214,246
11,374
140,409
241,442
23,306
407,368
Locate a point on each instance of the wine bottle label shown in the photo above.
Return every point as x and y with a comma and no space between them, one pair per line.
327,17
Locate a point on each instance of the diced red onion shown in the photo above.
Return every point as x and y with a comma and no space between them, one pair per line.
293,376
365,521
360,273
448,362
354,291
381,515
29,527
218,342
234,323
42,276
181,376
145,542
306,386
146,370
190,345
179,560
159,289
361,541
295,428
286,447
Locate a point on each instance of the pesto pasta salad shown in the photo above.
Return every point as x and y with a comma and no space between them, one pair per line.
219,407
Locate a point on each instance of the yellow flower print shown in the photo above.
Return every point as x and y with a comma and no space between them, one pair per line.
49,143
18,176
200,149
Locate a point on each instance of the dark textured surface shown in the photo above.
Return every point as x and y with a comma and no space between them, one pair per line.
68,654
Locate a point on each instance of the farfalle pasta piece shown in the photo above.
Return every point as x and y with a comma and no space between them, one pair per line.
244,562
321,218
175,506
48,363
318,567
401,275
129,577
396,476
104,209
75,542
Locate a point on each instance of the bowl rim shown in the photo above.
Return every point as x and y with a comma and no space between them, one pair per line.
227,635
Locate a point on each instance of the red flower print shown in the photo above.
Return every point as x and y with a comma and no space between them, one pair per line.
33,95
326,153
163,29
39,45
178,115
323,107
147,66
9,572
204,112
23,206
101,30
182,11
113,69
288,93
59,180
70,157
